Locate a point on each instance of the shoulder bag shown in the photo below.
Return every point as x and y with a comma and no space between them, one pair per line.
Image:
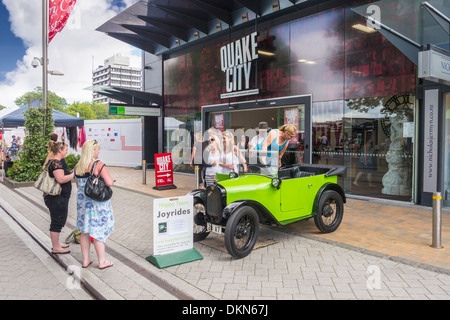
96,188
47,184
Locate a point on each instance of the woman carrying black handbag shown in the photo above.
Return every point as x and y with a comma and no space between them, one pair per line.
94,218
58,205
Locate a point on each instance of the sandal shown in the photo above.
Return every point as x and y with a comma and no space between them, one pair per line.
90,262
110,264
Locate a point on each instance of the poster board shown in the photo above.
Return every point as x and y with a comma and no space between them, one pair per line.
120,140
173,238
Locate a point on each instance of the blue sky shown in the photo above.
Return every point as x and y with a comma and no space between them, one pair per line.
9,44
75,51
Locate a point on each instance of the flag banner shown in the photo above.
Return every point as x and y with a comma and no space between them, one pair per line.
58,14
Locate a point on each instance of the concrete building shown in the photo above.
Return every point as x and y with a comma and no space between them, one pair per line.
116,72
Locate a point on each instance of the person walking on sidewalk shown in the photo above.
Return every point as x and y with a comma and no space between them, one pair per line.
59,205
94,219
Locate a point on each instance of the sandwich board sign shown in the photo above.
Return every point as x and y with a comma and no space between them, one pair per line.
163,171
173,238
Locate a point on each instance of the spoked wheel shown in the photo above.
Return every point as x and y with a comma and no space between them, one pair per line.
329,211
241,232
200,229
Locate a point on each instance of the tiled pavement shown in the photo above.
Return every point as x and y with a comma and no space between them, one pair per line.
377,244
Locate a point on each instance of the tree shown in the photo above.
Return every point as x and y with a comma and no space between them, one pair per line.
83,108
53,99
34,151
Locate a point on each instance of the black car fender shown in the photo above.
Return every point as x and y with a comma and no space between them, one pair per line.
326,187
199,193
265,217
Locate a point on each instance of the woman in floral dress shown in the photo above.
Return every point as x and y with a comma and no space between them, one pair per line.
94,219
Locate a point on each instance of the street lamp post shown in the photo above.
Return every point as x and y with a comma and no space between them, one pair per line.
44,57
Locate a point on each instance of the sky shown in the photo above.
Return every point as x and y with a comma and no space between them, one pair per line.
75,51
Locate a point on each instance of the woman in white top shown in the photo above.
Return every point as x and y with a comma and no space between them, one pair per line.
214,153
231,155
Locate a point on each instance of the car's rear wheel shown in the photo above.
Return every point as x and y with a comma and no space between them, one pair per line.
200,229
241,232
330,211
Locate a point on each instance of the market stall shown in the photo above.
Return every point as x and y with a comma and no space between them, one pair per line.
16,119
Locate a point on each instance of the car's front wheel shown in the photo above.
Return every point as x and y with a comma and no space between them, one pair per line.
330,211
200,228
241,232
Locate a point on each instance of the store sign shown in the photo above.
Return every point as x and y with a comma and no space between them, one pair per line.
133,110
430,155
434,66
163,169
236,60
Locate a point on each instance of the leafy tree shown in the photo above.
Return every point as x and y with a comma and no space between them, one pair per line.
29,165
84,109
53,99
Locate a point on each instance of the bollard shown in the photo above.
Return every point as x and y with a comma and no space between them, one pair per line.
196,177
144,172
437,220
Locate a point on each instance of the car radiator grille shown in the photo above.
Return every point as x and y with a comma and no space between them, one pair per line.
214,202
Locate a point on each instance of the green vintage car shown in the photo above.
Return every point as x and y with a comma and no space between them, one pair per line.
236,205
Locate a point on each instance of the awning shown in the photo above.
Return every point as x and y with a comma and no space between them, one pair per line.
164,26
129,96
16,119
410,25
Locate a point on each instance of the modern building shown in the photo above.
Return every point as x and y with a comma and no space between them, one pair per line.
116,72
365,82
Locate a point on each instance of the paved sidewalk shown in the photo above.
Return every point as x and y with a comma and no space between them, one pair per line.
379,252
27,271
394,229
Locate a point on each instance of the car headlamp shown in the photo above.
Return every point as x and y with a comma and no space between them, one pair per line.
276,183
233,175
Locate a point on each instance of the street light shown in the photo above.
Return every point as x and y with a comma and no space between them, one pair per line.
36,62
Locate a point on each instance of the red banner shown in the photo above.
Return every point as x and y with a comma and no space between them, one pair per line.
163,169
58,14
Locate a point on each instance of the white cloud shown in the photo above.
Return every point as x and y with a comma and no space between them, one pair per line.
75,51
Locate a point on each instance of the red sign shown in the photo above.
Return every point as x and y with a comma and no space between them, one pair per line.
163,169
58,14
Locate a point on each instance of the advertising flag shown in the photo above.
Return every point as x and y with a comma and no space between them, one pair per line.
58,14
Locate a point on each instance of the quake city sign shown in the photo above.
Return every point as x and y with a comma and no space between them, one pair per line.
236,61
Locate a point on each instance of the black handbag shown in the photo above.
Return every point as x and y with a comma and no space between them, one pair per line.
96,188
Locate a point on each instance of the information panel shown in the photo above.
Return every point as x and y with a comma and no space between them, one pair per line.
172,225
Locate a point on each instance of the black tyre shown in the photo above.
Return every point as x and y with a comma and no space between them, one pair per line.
241,232
330,211
200,229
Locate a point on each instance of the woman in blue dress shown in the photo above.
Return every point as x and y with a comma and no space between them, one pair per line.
94,219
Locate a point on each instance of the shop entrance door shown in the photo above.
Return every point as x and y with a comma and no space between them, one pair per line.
248,119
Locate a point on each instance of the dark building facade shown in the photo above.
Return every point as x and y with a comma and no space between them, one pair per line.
351,85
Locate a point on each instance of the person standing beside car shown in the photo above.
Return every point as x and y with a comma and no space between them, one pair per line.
276,142
214,152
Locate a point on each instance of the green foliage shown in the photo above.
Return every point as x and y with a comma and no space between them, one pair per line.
34,151
53,99
72,160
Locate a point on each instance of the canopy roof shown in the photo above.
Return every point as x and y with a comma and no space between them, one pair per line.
16,119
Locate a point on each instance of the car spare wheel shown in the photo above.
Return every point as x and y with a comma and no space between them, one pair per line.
241,232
